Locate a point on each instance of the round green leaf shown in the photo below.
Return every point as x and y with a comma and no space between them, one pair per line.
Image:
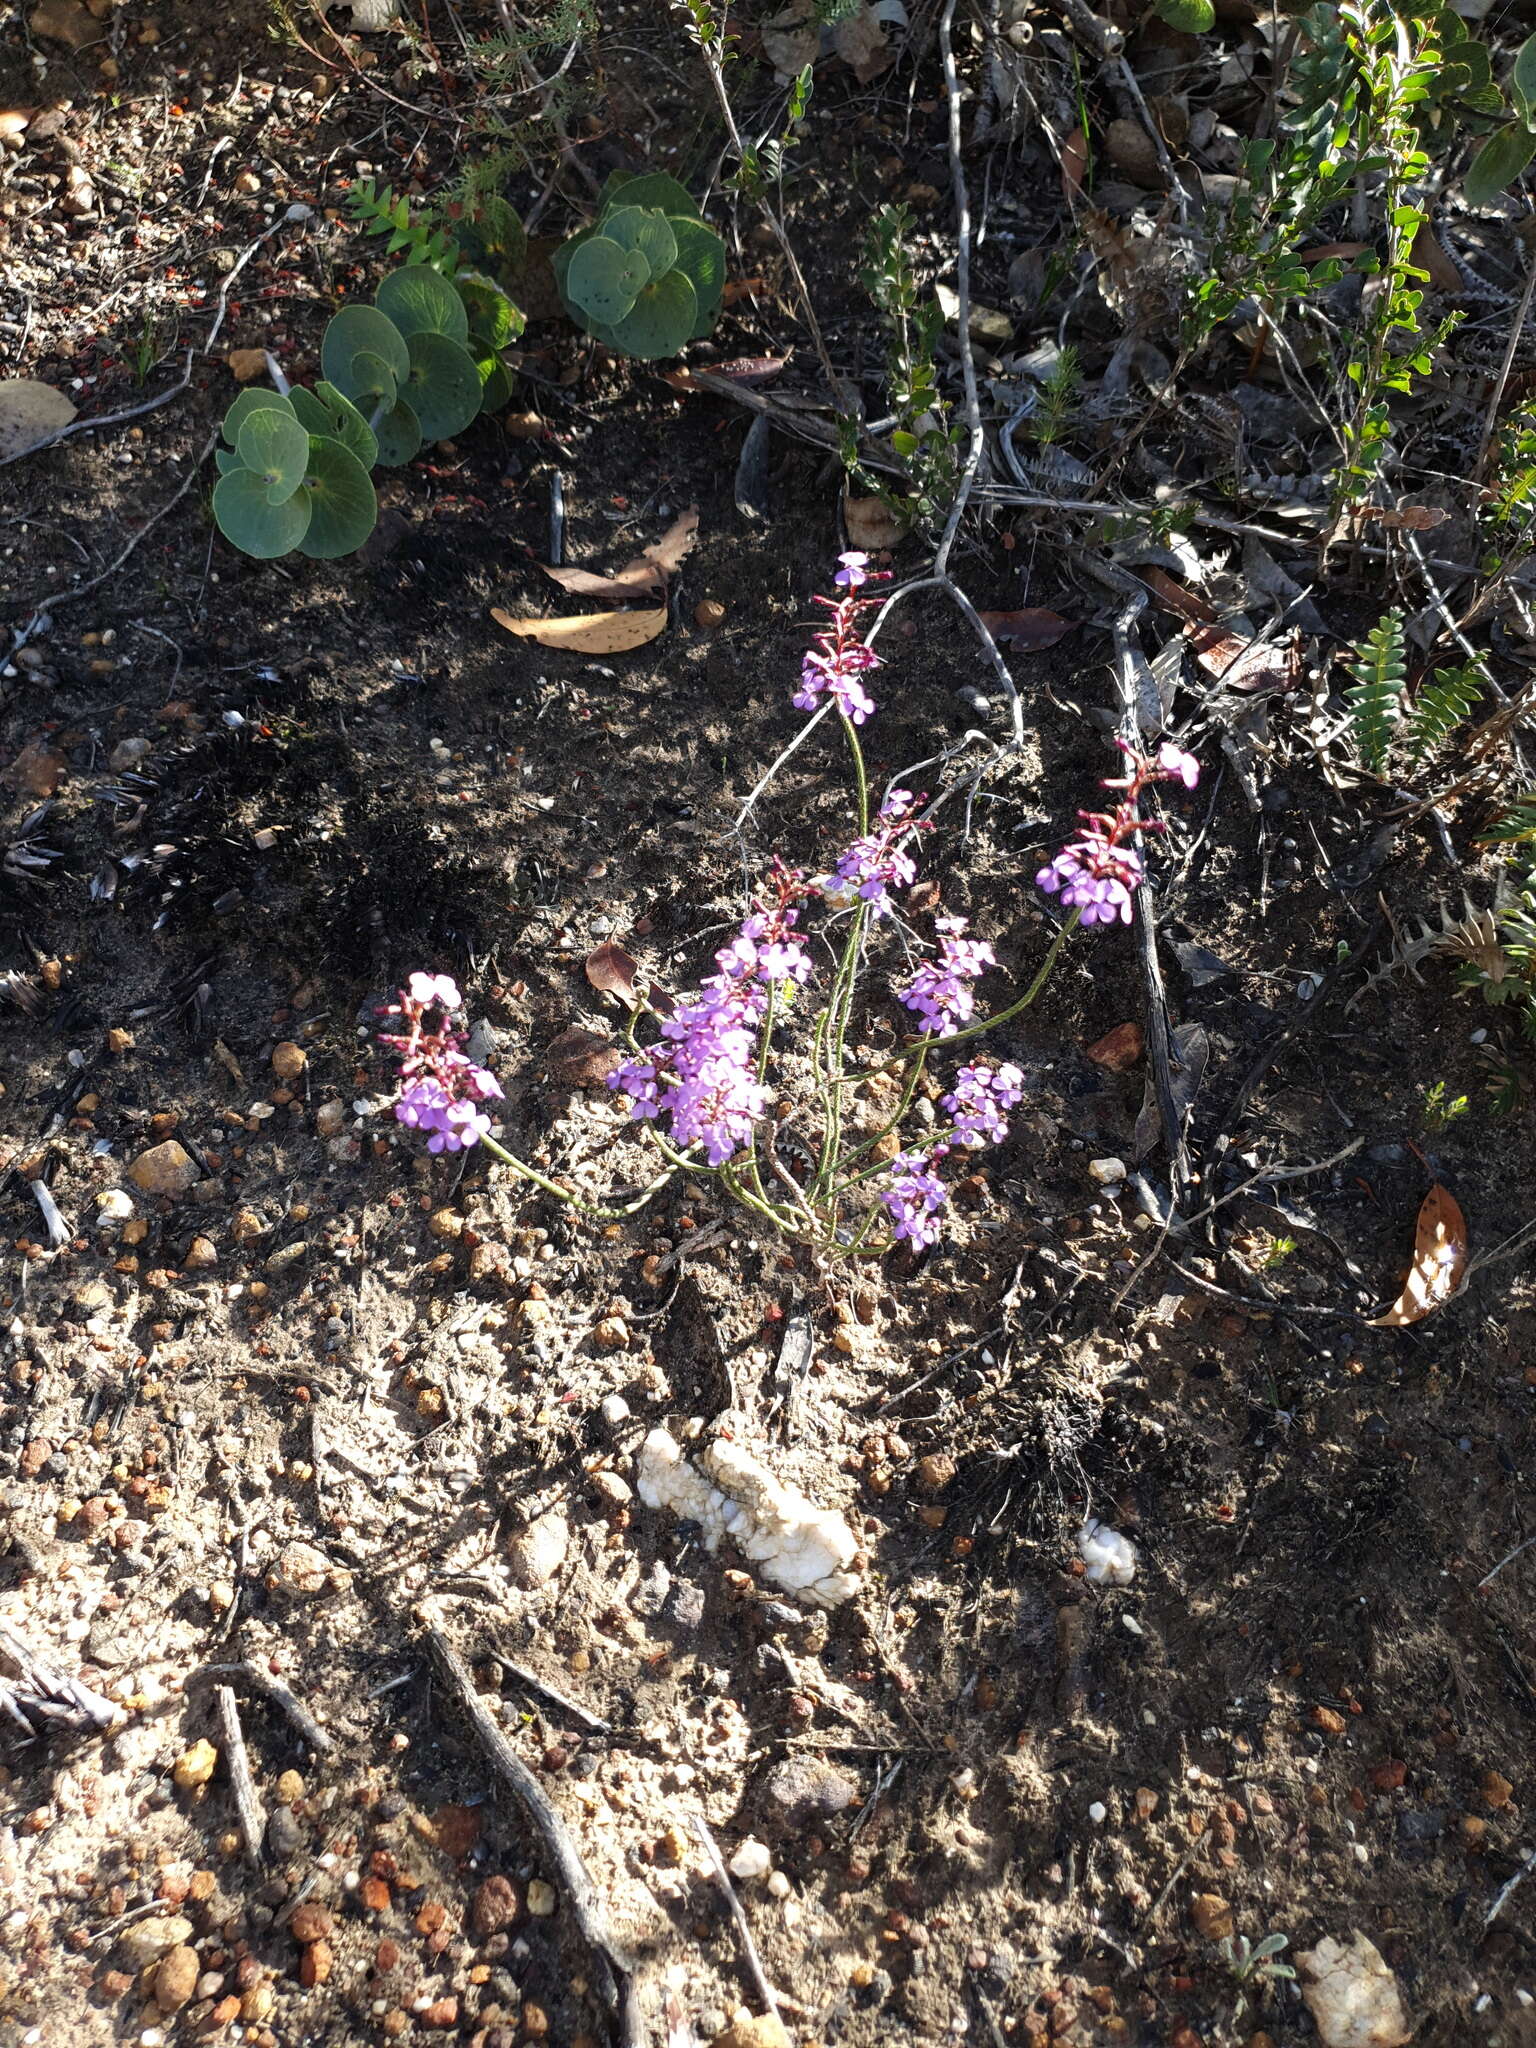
1522,82
632,227
495,383
494,321
276,447
604,280
249,402
342,505
225,460
492,236
443,388
650,188
661,320
346,424
247,516
1497,164
1193,17
358,330
399,433
701,259
368,381
417,301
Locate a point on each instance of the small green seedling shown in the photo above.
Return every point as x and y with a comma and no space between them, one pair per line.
1254,1963
418,365
647,276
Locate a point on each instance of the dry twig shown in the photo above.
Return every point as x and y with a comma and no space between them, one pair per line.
253,1822
614,1972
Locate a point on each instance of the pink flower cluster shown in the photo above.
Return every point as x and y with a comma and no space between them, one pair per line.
1098,872
703,1073
441,1089
940,991
837,658
876,864
914,1194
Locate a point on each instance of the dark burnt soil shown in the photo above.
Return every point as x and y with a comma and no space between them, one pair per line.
273,791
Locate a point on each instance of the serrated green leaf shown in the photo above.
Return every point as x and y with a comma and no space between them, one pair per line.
1497,164
1441,705
247,517
342,504
1375,699
419,301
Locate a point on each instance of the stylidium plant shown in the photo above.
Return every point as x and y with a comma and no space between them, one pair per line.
750,1077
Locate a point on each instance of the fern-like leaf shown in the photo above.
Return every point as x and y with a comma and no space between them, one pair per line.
1440,707
1375,699
1518,823
381,213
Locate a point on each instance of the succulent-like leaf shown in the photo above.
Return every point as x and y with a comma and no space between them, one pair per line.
495,383
225,460
604,279
247,517
634,227
494,320
661,320
648,188
357,330
326,411
250,401
275,447
1522,81
1497,164
492,237
342,504
701,258
399,433
369,381
1190,17
418,301
443,388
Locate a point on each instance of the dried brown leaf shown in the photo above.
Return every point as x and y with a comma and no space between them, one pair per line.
589,632
30,415
648,571
1440,1248
579,1058
1120,1049
1330,252
1428,255
747,370
872,525
37,769
246,363
1028,630
613,970
1074,162
1403,518
65,21
860,41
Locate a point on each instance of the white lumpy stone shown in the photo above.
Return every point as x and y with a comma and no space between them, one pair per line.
1109,1556
805,1551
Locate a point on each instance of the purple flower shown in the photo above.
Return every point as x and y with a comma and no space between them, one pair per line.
913,1199
1096,877
835,671
981,1094
1177,765
854,573
875,864
427,989
703,1073
940,991
441,1088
